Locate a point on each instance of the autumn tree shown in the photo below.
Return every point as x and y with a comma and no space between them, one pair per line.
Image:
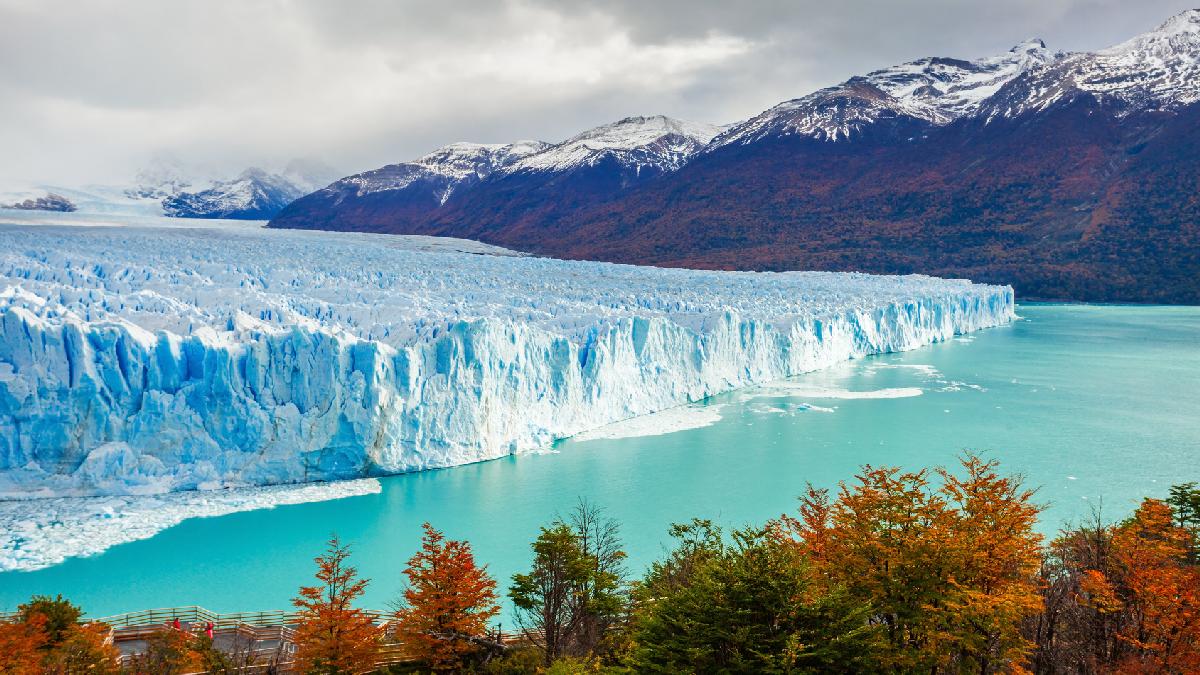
332,636
948,571
447,604
64,644
1076,631
21,644
84,648
1125,597
168,652
1160,591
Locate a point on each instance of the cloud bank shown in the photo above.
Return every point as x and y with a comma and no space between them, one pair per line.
90,91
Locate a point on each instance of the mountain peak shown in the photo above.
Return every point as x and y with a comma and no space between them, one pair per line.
1029,45
1187,21
655,141
934,90
1157,70
1180,33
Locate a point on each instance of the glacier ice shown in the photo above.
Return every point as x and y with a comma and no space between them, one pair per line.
139,360
44,532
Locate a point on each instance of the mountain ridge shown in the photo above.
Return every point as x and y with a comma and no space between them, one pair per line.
1065,174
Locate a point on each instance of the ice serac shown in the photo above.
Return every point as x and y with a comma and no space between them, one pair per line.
140,360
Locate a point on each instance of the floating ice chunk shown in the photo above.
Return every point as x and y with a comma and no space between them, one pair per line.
669,421
44,532
806,390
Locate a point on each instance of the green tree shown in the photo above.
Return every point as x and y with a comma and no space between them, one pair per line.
751,606
548,598
60,615
603,596
1184,501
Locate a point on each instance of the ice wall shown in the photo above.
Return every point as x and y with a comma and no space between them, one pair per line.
138,360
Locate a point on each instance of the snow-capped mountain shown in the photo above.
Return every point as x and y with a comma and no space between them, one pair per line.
595,165
931,90
657,144
438,174
1157,70
1031,167
254,195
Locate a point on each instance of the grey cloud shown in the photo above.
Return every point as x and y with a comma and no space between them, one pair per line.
91,90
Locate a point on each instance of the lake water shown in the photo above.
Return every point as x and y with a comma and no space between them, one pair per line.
1094,405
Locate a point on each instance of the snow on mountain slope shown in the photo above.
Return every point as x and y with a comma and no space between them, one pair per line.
438,174
412,192
142,360
660,143
932,90
1157,70
253,195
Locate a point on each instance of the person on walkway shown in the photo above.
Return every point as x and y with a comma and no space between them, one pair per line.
208,630
176,625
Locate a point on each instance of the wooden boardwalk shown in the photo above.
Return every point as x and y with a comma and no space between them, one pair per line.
259,642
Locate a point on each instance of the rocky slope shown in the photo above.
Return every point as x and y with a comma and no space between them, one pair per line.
1071,176
493,186
50,202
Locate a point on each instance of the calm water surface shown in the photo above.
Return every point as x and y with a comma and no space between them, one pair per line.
1092,404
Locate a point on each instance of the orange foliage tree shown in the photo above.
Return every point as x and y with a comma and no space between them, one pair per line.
332,636
168,652
1159,590
84,649
448,602
948,572
21,645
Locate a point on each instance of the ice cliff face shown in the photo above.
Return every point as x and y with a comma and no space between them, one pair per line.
139,360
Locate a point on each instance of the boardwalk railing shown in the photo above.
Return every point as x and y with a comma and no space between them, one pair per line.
194,613
274,627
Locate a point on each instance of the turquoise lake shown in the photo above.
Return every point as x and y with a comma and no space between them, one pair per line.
1095,405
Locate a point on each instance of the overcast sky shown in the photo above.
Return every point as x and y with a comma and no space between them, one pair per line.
90,90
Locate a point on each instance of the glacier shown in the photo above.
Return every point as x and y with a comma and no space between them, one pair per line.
140,359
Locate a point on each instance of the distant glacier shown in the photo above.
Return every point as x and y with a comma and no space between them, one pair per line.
139,360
